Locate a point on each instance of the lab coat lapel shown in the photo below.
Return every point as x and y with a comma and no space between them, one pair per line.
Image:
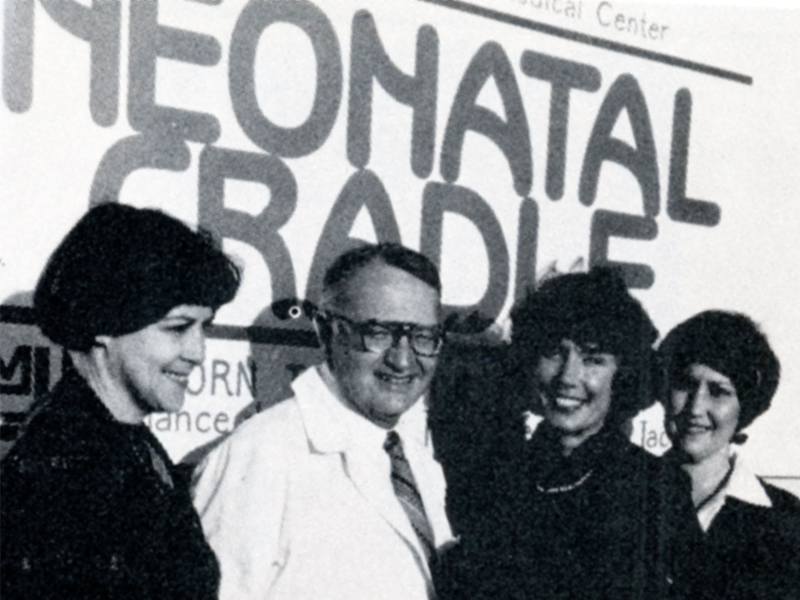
379,493
328,433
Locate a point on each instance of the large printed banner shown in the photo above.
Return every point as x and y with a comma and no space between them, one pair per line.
499,137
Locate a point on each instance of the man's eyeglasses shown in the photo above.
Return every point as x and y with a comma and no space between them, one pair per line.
379,336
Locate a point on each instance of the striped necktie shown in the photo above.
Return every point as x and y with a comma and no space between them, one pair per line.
405,488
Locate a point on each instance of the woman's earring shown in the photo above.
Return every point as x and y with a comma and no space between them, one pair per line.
739,438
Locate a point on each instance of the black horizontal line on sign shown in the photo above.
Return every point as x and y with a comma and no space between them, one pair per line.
18,315
591,40
23,315
265,335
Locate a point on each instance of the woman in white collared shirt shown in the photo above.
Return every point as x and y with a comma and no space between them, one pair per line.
719,375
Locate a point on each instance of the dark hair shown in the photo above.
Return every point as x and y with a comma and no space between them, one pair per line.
731,344
122,268
394,255
591,307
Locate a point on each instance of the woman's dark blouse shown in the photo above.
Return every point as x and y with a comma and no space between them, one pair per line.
749,552
608,538
93,508
605,538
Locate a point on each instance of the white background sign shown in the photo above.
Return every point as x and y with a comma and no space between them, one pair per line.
498,137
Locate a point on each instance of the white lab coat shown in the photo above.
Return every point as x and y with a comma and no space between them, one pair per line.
298,503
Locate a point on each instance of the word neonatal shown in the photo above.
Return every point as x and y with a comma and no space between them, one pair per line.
163,133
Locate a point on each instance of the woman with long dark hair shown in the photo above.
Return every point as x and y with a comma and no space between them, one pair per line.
92,507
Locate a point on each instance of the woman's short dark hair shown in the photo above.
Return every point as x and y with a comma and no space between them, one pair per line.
731,344
394,255
121,269
593,307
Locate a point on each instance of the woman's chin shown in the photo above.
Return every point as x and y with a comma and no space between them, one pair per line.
169,404
694,451
563,423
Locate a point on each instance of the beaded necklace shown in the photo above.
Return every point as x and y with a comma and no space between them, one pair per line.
560,489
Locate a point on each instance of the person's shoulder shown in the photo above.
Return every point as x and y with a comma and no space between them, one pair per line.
782,500
636,452
282,416
44,433
267,447
277,429
475,392
57,436
635,467
776,524
777,527
64,463
635,457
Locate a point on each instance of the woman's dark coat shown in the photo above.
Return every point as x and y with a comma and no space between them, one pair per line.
93,508
748,553
588,527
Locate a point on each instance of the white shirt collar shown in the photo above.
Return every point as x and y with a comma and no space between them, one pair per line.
742,485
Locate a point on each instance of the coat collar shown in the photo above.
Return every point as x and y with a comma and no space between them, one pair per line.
745,486
331,428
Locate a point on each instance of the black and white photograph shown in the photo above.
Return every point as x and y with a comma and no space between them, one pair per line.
399,299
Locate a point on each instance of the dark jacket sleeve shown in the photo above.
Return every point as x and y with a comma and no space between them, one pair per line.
477,427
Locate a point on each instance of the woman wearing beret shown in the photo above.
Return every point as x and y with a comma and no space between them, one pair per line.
91,504
744,538
578,519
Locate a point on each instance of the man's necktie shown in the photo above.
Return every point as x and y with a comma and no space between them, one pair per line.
405,488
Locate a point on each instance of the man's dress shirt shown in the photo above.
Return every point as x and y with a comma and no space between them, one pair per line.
298,502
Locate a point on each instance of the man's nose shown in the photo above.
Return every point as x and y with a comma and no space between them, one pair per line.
400,356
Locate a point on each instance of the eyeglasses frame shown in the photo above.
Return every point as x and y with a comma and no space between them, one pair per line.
397,329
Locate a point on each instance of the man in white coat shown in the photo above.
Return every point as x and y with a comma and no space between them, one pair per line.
335,493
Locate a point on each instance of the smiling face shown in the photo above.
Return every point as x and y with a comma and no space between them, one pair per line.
574,384
149,369
702,412
381,386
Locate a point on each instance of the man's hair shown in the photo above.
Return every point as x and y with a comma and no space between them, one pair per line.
348,264
121,269
597,308
394,255
731,344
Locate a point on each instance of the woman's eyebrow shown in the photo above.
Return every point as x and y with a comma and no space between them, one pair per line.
721,385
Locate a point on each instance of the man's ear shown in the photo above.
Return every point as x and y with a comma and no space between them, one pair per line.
324,330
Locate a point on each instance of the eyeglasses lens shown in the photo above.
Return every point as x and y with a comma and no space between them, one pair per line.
379,338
